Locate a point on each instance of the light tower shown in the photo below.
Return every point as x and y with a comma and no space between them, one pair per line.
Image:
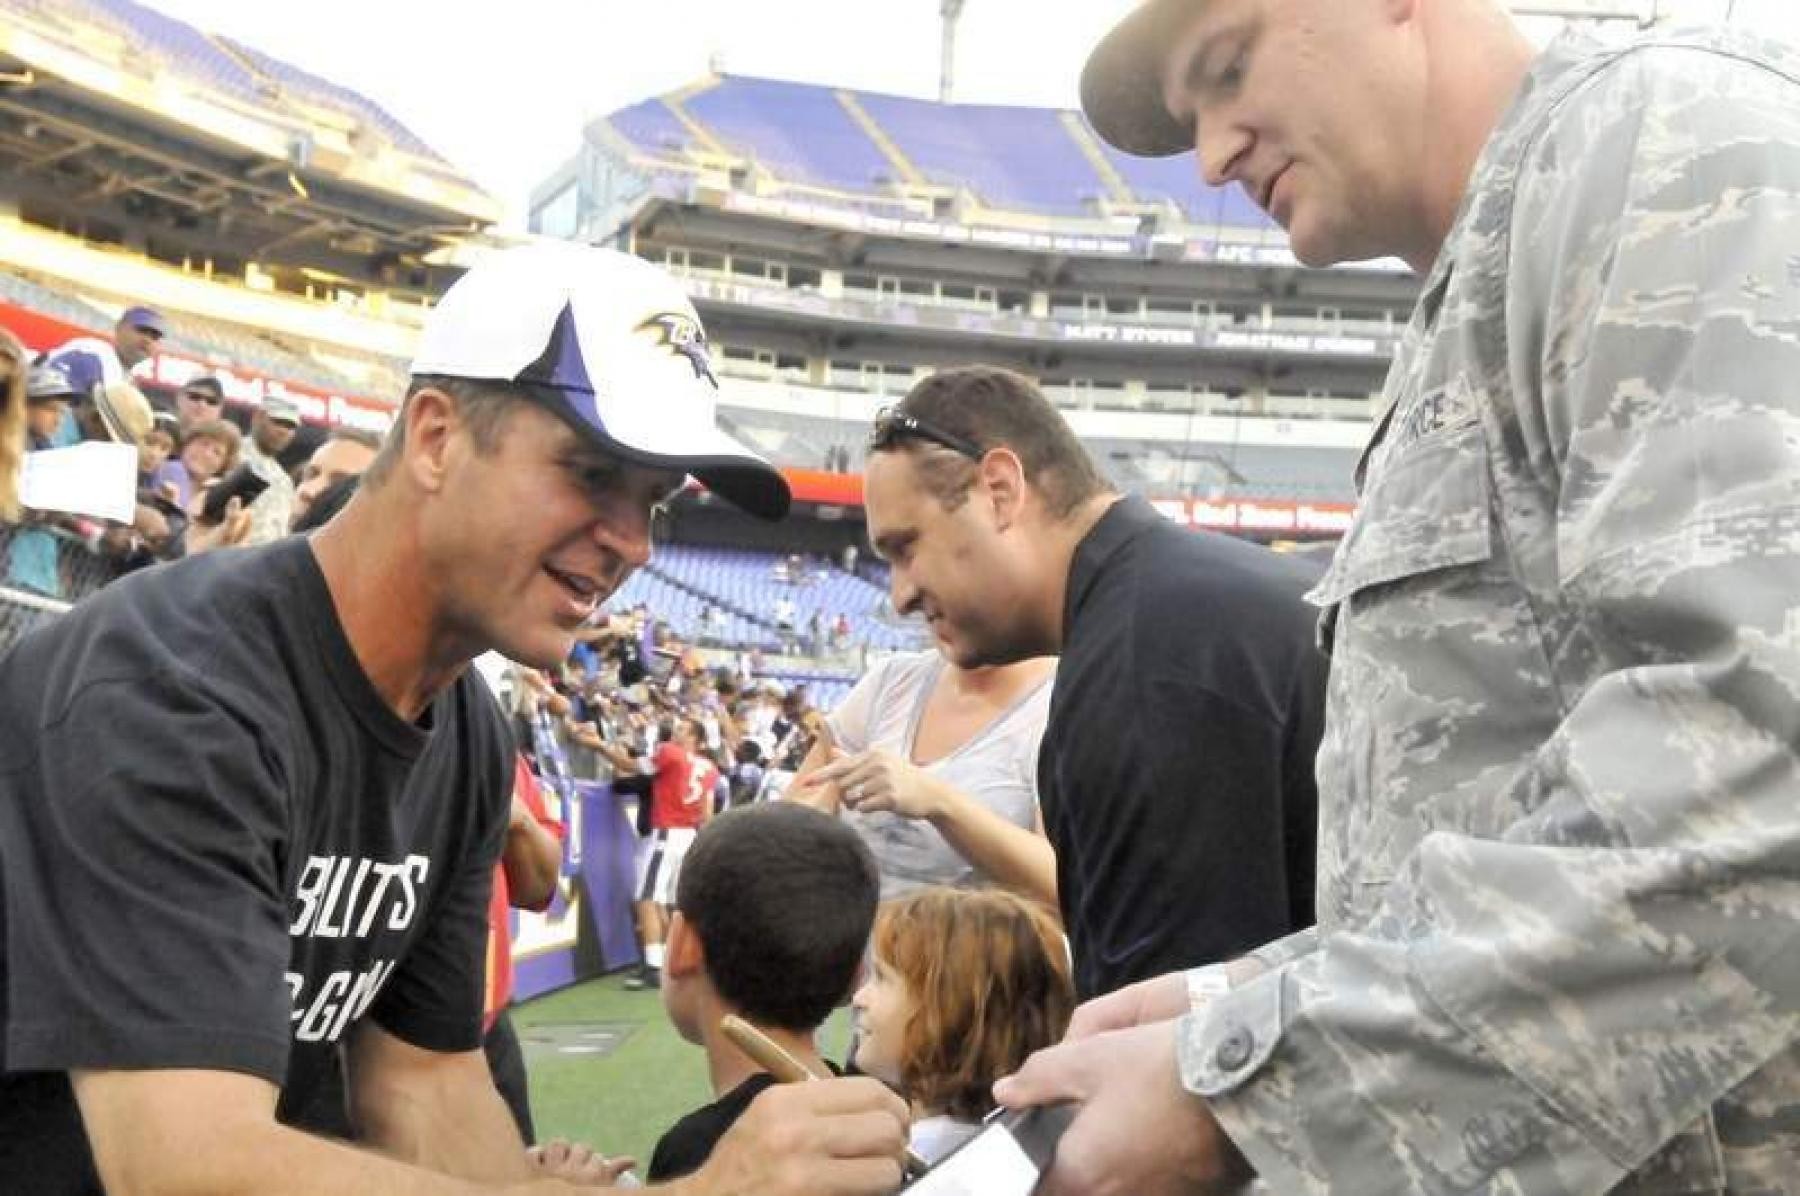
951,11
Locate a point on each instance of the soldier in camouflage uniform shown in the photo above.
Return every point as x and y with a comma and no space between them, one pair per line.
1558,949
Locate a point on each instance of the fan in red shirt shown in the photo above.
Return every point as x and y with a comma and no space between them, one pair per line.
681,797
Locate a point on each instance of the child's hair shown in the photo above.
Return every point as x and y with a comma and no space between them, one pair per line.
782,898
988,975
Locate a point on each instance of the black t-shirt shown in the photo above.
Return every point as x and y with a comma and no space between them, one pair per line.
690,1141
220,848
1176,773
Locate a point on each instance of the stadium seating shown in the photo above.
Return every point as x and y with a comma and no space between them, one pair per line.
799,132
683,610
1229,470
291,80
167,42
1176,180
220,64
218,344
50,301
652,127
749,584
1203,468
1012,158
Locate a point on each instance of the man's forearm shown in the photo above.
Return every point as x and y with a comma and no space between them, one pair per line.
253,1155
532,859
462,1130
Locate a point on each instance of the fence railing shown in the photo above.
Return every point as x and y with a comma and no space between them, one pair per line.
45,568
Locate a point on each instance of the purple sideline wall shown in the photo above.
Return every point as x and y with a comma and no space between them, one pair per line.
588,930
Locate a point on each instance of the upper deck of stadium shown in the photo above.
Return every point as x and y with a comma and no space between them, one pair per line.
118,122
1035,160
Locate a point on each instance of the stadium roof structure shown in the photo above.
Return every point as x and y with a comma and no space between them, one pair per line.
1043,161
116,115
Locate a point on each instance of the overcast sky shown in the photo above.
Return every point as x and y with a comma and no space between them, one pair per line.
503,88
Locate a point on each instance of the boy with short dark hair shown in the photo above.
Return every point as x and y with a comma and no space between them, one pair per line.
772,916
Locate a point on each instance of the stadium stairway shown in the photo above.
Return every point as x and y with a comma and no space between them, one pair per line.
1083,137
903,165
675,102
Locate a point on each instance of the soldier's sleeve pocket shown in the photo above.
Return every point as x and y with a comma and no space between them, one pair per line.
1426,510
1229,1041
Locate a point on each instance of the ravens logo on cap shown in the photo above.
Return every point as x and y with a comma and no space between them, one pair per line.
684,335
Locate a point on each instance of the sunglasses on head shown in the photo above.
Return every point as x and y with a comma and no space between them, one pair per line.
893,425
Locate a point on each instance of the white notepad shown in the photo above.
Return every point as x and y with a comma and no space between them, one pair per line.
96,477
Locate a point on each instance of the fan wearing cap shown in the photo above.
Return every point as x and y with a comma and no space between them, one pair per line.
32,552
230,855
272,429
93,361
1557,912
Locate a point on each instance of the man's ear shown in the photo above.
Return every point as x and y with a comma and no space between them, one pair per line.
432,422
1001,476
682,953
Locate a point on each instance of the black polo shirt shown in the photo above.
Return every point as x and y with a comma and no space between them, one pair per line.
1176,774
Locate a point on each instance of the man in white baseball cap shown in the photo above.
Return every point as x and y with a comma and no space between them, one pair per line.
227,858
611,345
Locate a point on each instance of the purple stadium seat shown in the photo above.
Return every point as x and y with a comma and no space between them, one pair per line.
799,131
1019,158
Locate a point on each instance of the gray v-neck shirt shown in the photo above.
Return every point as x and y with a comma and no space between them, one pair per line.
996,767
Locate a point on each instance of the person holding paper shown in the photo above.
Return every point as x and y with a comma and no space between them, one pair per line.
32,557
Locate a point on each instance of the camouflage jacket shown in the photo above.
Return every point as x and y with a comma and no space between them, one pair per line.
1559,876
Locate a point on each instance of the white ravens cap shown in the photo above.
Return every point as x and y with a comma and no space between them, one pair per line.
611,344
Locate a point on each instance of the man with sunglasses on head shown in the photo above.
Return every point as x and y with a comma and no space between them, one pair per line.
228,859
1175,775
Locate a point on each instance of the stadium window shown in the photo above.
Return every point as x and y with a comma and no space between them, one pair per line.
711,262
861,282
916,289
804,277
1124,307
1013,301
957,290
559,215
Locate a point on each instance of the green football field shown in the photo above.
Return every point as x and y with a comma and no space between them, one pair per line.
607,1069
